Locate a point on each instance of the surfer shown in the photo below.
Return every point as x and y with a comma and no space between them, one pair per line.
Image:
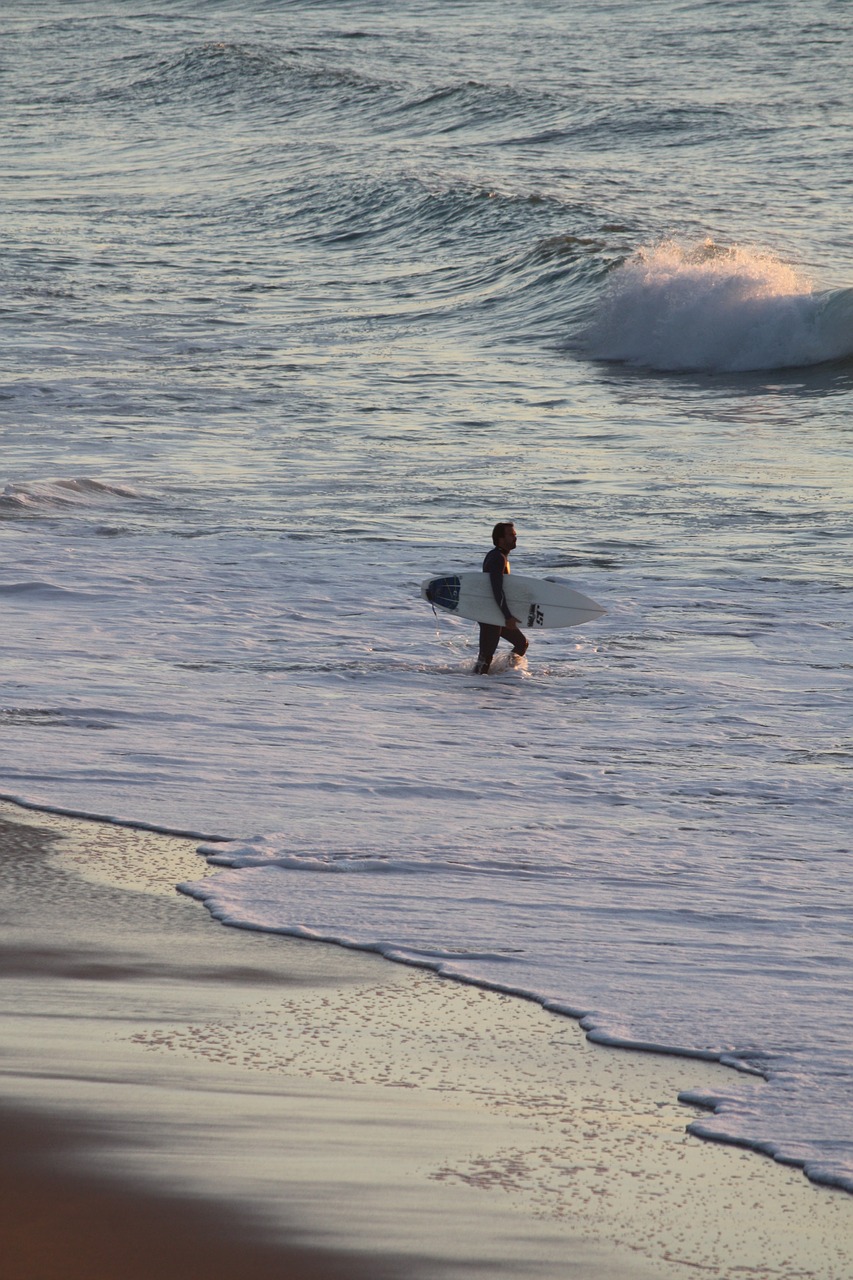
496,564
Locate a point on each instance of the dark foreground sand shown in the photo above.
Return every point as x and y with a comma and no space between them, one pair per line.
60,1223
181,1099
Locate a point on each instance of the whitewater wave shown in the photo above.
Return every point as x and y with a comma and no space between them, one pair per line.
704,307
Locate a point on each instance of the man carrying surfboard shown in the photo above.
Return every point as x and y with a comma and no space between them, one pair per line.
496,565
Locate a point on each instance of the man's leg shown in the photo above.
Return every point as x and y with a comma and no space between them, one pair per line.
489,638
517,639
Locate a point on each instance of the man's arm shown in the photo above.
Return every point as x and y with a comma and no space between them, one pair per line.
495,567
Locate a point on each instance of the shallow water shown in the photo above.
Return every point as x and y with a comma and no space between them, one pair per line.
297,301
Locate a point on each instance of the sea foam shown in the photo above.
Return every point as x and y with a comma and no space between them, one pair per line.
732,309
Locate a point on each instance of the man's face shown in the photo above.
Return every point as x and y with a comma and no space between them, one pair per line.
507,542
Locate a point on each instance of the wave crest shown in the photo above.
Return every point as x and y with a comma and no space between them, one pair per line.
718,309
39,496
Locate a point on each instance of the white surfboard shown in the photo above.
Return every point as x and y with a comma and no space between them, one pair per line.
536,602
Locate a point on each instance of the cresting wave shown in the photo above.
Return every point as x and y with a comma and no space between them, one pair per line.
718,309
38,496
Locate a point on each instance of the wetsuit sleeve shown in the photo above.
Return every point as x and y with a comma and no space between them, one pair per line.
495,566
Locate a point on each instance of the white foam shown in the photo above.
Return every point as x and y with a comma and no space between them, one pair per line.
671,307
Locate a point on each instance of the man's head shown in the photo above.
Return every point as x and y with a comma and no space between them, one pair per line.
503,535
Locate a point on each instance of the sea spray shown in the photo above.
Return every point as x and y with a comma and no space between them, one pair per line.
704,307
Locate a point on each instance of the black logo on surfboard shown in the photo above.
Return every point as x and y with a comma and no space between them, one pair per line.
535,616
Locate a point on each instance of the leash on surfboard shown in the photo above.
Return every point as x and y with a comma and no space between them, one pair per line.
438,636
437,621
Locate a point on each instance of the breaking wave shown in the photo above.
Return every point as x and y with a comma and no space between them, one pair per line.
718,309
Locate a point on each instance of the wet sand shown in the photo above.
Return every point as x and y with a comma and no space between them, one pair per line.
181,1098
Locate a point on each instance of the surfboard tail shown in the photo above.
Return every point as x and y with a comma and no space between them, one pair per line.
442,592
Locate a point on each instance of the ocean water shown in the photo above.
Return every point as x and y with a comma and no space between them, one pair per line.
298,299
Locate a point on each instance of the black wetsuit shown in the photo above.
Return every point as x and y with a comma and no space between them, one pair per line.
496,564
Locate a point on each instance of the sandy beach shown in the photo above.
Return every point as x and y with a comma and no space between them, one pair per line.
181,1098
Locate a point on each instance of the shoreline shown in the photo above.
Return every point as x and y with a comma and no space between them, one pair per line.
698,1100
334,1102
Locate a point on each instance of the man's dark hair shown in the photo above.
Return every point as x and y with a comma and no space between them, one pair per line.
500,529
